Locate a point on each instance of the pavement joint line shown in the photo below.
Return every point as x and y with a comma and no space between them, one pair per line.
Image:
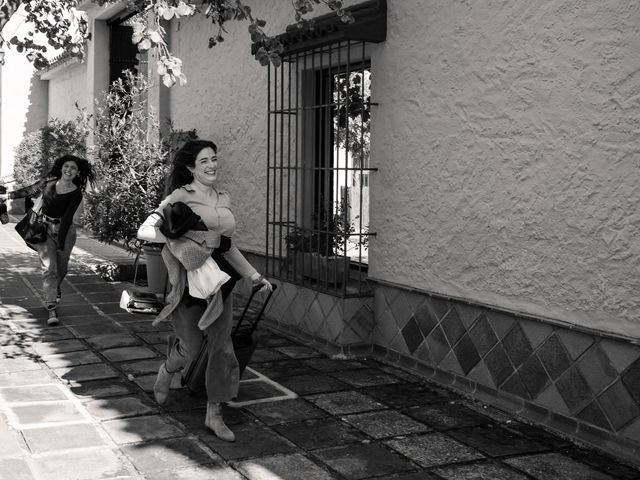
288,394
33,289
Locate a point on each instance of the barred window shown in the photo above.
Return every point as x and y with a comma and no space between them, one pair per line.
319,157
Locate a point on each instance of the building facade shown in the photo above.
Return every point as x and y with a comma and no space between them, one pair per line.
502,182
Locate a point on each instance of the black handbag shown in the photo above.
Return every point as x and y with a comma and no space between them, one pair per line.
32,228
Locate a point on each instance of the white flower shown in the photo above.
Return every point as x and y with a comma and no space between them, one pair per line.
144,44
168,80
166,12
162,69
184,9
155,37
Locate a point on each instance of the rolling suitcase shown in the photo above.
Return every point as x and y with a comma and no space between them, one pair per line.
244,344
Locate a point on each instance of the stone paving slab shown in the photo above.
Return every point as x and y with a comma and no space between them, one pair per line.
13,444
63,437
15,469
554,466
49,412
385,423
291,467
94,463
123,354
62,346
310,384
155,457
272,413
355,462
71,359
91,390
327,432
496,441
201,472
84,373
112,340
251,442
479,471
30,393
110,408
341,403
140,429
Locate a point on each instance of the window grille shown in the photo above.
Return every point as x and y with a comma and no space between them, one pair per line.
318,160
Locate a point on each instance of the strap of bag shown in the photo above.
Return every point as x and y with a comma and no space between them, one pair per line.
37,206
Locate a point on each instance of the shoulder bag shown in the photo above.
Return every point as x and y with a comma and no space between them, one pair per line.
32,227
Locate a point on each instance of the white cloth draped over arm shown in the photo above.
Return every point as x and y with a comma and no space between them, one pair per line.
149,231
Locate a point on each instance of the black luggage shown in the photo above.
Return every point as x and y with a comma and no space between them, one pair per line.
244,344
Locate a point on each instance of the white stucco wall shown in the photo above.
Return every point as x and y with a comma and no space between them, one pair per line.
508,142
66,88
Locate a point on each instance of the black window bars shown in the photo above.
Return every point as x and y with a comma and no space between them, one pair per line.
318,168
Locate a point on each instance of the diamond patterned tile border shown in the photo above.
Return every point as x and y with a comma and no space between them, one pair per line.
585,379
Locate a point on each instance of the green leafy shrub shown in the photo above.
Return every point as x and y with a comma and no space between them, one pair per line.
131,162
37,151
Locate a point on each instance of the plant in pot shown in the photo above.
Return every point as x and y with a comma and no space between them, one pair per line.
320,253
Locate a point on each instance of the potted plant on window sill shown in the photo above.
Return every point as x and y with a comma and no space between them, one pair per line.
320,254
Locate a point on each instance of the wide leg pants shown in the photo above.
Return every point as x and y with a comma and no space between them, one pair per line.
54,264
222,375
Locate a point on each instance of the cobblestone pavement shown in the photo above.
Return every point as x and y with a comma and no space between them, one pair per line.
75,403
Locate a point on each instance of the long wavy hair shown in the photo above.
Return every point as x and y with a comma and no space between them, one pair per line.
86,174
183,158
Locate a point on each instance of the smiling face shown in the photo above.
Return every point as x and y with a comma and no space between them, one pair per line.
69,170
205,168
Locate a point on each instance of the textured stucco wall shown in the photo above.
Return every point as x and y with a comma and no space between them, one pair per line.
66,89
508,142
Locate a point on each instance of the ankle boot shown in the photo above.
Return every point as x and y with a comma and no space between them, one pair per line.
163,384
215,422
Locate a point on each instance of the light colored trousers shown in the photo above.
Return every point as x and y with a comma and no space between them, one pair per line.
222,375
55,264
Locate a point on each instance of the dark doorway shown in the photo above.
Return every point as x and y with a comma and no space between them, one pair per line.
122,51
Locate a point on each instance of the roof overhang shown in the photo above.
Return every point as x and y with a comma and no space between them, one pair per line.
370,26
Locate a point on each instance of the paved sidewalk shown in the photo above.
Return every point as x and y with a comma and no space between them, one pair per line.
75,403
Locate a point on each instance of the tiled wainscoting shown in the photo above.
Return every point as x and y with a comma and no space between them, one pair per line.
580,383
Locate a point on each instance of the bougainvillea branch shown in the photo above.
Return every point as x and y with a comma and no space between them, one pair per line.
57,25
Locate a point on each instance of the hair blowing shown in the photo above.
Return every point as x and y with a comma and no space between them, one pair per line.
183,158
85,170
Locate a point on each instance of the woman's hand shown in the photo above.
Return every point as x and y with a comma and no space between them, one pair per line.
258,279
267,287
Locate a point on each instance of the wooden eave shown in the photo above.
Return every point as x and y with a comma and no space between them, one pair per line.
370,26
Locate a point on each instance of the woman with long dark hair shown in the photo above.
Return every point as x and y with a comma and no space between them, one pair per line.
192,183
61,194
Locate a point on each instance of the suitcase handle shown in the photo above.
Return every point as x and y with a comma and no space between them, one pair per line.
254,290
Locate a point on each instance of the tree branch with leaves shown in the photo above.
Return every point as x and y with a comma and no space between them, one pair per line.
57,25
